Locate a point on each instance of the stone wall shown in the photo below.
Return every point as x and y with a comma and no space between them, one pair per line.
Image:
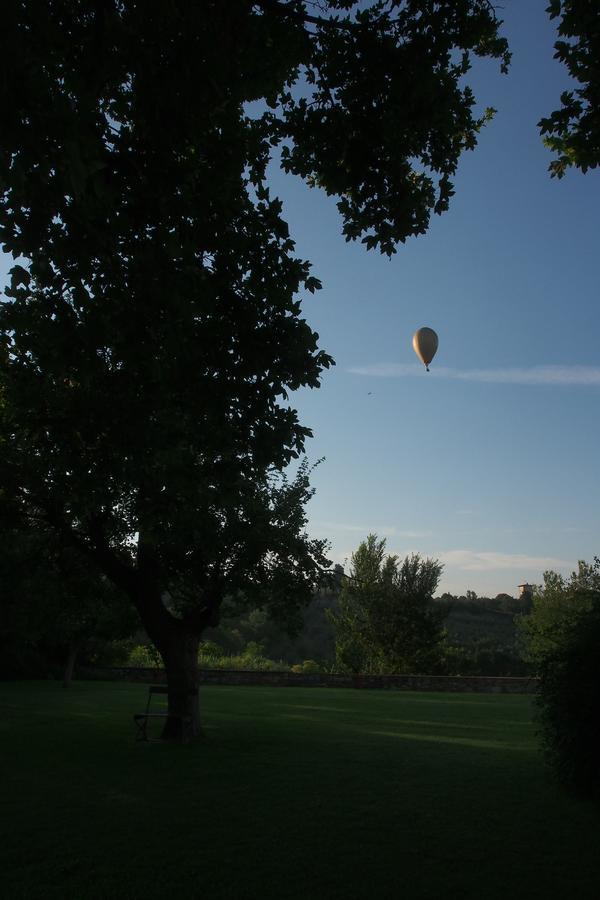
453,683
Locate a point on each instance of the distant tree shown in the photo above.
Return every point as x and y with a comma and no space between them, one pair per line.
355,646
387,620
510,604
557,604
310,636
573,131
561,637
152,331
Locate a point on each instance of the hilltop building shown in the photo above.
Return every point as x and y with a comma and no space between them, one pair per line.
526,591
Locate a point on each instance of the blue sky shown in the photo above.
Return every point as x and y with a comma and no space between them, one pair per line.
489,462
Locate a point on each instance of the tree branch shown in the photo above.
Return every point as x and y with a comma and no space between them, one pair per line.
281,9
119,572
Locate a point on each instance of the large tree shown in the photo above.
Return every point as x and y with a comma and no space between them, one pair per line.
152,328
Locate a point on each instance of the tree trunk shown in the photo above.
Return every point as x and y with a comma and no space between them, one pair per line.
177,643
180,655
70,664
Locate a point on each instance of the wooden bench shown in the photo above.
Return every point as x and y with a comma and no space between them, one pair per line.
141,719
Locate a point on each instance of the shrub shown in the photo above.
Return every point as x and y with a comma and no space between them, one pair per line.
145,656
254,650
209,650
211,656
255,662
308,667
109,653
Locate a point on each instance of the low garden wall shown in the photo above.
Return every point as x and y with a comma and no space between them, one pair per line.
453,683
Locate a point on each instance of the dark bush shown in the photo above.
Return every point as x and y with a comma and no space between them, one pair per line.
569,702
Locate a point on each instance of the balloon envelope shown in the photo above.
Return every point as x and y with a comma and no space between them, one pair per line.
425,344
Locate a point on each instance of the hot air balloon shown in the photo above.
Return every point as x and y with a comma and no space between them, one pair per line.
425,343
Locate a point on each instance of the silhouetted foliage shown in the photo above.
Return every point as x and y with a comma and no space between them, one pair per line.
573,131
54,606
561,637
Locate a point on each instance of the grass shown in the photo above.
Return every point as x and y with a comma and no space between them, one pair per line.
294,793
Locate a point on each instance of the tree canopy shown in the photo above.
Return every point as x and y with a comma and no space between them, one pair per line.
386,620
557,604
573,130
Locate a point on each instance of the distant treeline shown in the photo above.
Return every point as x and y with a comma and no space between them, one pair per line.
481,634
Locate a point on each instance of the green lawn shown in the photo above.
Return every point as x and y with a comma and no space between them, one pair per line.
294,793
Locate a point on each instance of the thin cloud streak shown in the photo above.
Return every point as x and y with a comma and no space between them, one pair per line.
587,376
364,530
474,561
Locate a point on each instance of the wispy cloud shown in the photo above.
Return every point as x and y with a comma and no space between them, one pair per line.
475,561
364,530
534,375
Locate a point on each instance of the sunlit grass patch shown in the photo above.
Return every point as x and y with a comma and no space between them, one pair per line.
293,793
